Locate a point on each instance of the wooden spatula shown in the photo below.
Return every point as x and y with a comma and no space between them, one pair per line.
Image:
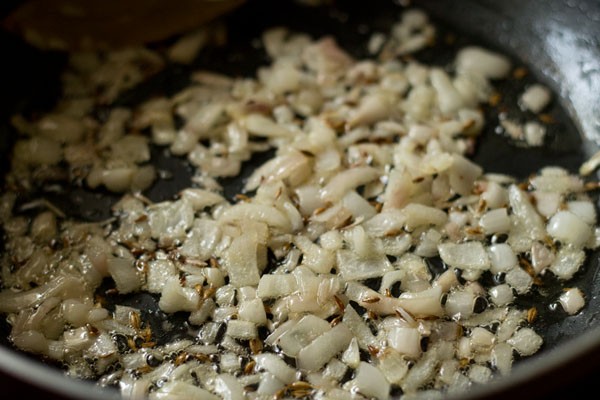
108,24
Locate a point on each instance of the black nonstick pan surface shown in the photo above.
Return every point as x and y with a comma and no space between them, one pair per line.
557,41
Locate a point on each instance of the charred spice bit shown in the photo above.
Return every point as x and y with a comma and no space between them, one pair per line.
473,230
523,185
526,265
213,262
495,99
141,218
100,300
532,314
393,232
249,367
144,369
146,333
547,118
320,210
131,344
209,292
92,330
242,197
256,346
378,207
345,223
201,357
372,316
199,288
298,390
371,300
176,256
469,124
373,351
520,73
300,385
307,153
336,321
481,206
135,320
181,358
589,186
339,303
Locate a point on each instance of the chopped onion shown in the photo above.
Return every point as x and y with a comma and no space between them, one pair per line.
572,300
355,260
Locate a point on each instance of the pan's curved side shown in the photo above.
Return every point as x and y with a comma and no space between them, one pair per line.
560,42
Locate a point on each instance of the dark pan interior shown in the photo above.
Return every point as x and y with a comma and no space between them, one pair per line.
558,41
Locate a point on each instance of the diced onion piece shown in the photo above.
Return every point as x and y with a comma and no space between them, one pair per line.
567,262
228,387
243,261
33,341
527,223
449,98
495,221
465,255
480,374
349,179
406,341
273,286
501,295
541,257
584,210
127,278
459,304
244,330
572,300
260,125
525,341
502,258
519,280
502,357
353,267
276,366
175,298
351,355
535,98
302,334
177,389
257,212
568,227
482,340
371,382
323,348
417,215
253,311
362,333
483,62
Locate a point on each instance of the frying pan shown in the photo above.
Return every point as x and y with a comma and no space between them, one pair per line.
557,41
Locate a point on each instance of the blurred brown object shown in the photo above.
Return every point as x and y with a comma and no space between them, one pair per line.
108,24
